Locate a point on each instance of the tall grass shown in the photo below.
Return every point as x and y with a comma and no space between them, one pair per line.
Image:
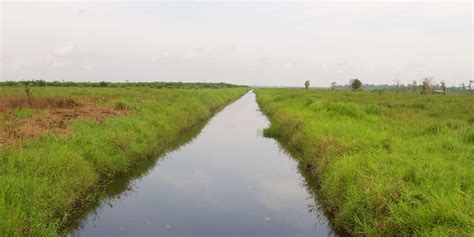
43,179
386,163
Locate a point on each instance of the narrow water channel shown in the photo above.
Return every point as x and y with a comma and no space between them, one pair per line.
228,181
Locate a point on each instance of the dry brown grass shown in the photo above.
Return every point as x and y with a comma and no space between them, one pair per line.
51,114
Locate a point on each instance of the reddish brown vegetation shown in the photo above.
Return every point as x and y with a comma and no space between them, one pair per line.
50,115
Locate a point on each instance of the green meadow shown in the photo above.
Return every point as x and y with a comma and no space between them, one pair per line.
386,163
44,177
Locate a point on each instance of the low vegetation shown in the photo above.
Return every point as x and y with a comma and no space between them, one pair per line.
59,144
386,163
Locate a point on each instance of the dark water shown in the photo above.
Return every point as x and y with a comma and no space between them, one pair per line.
229,181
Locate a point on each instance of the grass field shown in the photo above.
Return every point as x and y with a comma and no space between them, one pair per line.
58,146
386,163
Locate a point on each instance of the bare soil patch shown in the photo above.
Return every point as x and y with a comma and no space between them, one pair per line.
48,114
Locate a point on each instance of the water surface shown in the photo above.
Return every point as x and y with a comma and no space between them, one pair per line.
229,181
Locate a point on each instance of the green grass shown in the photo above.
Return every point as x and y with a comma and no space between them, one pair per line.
23,113
386,163
44,179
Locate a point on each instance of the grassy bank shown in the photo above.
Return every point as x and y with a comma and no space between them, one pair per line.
44,176
386,163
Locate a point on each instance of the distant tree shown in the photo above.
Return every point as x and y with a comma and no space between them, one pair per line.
102,84
427,85
10,83
333,85
306,84
414,86
355,84
443,87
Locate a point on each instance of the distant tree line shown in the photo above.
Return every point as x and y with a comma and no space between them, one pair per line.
39,83
425,86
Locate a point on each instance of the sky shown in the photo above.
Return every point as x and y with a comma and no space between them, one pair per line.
263,44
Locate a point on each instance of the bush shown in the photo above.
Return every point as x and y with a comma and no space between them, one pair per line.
355,84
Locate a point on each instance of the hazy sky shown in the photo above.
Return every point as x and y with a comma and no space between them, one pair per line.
272,44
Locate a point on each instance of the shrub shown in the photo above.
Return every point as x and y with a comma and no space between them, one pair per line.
355,84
